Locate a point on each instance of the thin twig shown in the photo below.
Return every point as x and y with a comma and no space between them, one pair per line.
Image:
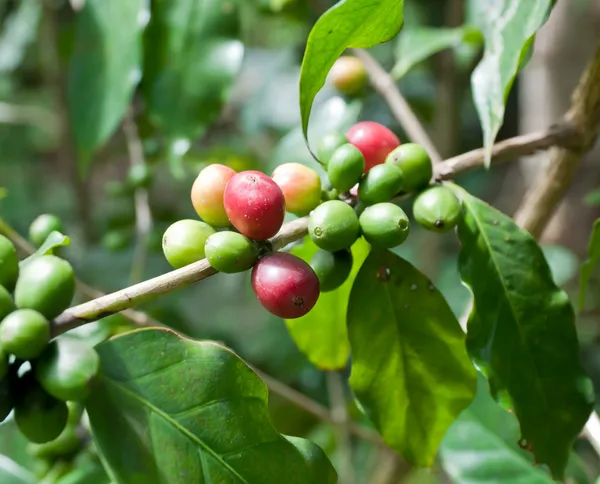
339,413
143,213
385,85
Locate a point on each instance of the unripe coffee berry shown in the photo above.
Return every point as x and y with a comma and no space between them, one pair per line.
7,305
285,285
348,75
254,204
415,165
230,252
437,209
380,184
139,176
9,263
333,225
345,167
42,227
384,225
374,140
207,194
301,187
328,144
24,333
332,268
183,242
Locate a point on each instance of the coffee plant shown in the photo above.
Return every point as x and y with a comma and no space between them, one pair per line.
337,237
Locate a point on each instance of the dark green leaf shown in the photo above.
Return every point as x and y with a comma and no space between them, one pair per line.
322,334
349,23
105,68
52,242
180,411
410,369
192,57
587,268
419,43
508,27
522,332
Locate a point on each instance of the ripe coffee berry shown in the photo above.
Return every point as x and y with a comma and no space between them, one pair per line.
301,187
384,225
415,165
254,204
348,75
380,184
285,285
437,209
374,140
207,194
333,225
345,167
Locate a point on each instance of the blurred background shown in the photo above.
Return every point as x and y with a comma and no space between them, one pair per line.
119,177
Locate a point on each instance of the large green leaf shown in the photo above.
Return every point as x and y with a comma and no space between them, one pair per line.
410,369
419,43
522,332
172,410
508,27
587,268
322,334
105,68
349,23
192,57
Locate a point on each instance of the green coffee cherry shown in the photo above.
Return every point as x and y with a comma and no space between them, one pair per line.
24,333
67,368
46,284
380,184
345,167
328,144
415,165
7,305
230,252
3,363
333,226
42,227
437,209
183,242
384,225
39,416
332,268
9,263
139,176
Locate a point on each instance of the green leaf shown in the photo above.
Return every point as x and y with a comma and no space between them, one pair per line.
522,331
587,268
18,33
322,334
180,411
419,43
483,442
54,240
410,369
508,27
349,23
104,70
192,57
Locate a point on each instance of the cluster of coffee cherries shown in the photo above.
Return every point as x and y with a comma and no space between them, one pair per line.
367,167
44,380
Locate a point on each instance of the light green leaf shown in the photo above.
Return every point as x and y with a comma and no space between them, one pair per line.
104,70
410,369
192,57
587,268
180,411
54,240
508,27
322,334
419,43
349,23
522,332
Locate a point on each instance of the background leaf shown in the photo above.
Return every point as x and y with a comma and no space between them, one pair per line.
522,332
104,70
192,57
349,23
179,411
587,268
508,27
410,369
322,334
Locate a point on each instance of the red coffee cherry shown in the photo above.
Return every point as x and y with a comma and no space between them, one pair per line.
285,285
254,204
374,140
207,194
301,187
